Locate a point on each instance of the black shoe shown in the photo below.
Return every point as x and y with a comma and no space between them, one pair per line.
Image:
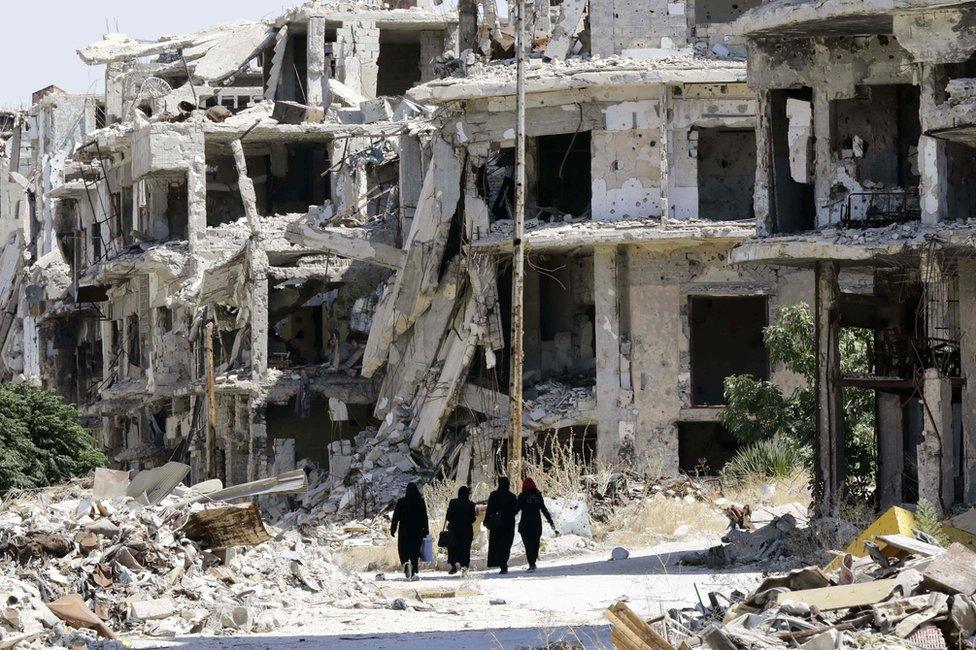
453,570
504,570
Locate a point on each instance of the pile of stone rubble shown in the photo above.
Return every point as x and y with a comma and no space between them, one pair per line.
906,592
69,560
622,488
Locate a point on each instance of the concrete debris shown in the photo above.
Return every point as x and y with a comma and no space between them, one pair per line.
148,576
864,602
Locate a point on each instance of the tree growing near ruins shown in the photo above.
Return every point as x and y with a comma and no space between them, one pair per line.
41,440
758,410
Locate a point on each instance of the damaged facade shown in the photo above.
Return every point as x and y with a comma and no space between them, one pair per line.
254,252
149,279
640,173
865,162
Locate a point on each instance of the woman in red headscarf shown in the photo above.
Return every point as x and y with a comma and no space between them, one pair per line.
533,507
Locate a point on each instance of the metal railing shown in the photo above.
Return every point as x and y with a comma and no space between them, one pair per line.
871,209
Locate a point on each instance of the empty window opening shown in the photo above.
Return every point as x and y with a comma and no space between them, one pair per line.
177,209
563,312
726,173
726,340
398,62
287,179
875,136
133,342
312,430
122,213
496,183
294,74
960,190
304,328
704,447
722,11
792,203
563,184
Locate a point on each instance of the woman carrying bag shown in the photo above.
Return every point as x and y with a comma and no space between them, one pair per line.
459,531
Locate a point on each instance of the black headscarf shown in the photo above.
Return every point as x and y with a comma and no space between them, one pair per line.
413,492
503,484
464,493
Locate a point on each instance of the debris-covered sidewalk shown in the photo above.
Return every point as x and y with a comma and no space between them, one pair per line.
161,563
906,591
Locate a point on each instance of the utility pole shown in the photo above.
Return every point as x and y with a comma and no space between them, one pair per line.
518,256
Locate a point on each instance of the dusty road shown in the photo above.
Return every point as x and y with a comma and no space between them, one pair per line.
564,599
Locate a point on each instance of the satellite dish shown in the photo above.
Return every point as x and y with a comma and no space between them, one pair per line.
152,89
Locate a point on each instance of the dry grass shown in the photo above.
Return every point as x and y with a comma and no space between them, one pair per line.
795,489
658,518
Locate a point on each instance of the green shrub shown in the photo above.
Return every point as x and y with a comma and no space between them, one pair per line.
41,440
777,457
759,410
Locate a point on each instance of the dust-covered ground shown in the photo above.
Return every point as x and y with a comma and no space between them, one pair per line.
565,599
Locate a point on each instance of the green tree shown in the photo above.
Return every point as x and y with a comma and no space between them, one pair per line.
758,410
41,440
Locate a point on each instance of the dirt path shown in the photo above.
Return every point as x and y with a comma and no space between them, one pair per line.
564,599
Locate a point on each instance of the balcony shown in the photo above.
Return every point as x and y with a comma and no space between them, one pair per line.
875,209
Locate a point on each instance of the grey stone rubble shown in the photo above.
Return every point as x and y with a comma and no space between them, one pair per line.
136,570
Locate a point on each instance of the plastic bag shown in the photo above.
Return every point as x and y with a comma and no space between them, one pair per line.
427,550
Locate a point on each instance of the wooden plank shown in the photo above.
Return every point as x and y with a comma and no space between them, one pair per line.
827,599
627,638
227,527
953,571
637,626
911,545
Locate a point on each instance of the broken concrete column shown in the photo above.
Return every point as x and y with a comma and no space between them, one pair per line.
258,284
935,475
196,186
114,92
967,353
349,181
277,64
468,25
891,449
245,186
411,171
319,66
934,179
762,193
607,311
829,449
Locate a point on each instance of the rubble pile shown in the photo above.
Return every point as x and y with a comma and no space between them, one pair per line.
622,488
134,567
366,476
905,592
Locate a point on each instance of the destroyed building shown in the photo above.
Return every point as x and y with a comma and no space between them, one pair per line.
149,280
287,242
864,165
641,165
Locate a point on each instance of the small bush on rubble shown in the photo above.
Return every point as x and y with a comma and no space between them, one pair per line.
779,457
760,411
41,441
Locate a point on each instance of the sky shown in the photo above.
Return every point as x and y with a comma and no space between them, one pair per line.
42,50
